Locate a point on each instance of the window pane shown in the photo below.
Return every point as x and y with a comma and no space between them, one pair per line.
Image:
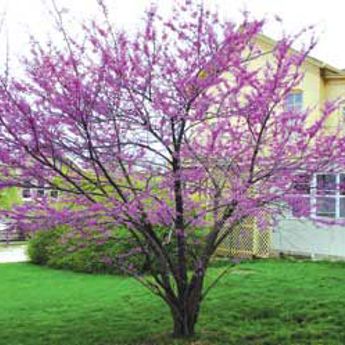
342,184
26,194
40,192
294,101
298,98
325,207
326,184
54,194
342,207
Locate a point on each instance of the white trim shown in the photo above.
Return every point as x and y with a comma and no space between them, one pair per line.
34,193
337,196
312,196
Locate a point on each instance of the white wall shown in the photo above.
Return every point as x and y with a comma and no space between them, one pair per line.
303,237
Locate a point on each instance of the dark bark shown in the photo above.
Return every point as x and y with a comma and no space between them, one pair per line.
185,314
184,325
184,320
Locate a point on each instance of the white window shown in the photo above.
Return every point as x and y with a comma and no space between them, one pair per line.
301,203
26,191
323,194
54,194
326,195
40,190
294,101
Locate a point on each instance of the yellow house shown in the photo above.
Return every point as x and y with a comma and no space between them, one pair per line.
321,83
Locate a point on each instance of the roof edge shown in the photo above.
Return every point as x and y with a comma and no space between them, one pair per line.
328,71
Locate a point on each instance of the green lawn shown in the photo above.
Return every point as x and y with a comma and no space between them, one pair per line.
263,302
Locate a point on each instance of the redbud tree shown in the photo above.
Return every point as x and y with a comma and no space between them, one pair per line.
174,127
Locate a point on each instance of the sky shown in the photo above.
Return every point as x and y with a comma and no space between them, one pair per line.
31,17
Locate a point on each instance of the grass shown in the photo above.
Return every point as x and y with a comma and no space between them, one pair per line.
263,302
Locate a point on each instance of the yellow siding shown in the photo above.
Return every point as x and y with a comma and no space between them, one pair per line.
320,83
336,89
311,87
316,88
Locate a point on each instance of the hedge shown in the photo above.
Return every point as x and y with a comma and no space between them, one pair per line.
89,252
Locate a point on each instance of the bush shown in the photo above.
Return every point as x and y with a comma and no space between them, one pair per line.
93,255
39,245
63,248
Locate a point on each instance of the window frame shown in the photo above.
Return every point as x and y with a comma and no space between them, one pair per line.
28,192
338,195
293,106
55,192
27,196
301,193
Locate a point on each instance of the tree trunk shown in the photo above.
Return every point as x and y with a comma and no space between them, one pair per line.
184,324
185,315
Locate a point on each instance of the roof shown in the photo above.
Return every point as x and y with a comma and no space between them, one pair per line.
327,71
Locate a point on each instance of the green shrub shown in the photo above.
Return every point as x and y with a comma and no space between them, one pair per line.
40,244
66,249
92,255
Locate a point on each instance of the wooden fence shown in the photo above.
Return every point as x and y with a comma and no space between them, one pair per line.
247,241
